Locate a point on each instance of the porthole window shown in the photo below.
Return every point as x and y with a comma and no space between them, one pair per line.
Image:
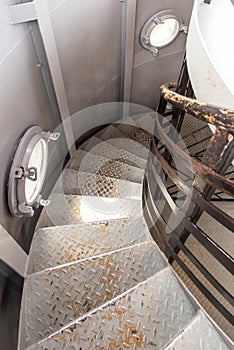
160,30
28,171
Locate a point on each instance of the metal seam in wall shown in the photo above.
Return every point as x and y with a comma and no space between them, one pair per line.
15,47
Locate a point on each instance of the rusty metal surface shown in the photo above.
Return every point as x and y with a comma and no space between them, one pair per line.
83,183
204,172
56,297
212,114
147,317
64,244
217,144
88,162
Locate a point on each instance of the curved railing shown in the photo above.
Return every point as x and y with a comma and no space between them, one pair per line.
180,188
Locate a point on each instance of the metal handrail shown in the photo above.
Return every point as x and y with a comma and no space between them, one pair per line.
215,115
207,176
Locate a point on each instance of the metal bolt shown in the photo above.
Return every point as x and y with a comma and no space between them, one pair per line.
54,136
154,52
157,20
184,28
146,40
44,202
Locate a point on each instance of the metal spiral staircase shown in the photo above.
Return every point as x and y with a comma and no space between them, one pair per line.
96,279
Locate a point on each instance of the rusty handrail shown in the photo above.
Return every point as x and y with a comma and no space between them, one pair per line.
215,115
197,168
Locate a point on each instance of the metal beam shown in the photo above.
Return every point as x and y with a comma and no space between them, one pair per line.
22,13
38,10
129,48
129,39
11,253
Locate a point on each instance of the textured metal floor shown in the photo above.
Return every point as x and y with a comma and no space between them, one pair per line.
96,279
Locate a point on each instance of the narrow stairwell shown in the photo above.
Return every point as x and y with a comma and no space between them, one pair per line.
96,279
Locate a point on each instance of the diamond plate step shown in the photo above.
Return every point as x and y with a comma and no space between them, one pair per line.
199,334
111,132
92,163
82,183
132,130
147,317
55,297
64,244
147,122
116,138
104,149
74,209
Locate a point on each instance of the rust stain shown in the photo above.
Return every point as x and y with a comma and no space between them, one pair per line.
217,144
75,307
75,234
204,172
212,114
129,336
103,228
118,312
60,336
109,318
113,346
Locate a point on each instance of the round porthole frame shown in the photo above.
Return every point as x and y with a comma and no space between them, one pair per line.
21,172
151,24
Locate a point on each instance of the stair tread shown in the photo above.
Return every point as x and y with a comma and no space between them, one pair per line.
132,130
73,209
104,149
88,162
195,336
146,121
63,244
83,183
58,296
148,316
131,145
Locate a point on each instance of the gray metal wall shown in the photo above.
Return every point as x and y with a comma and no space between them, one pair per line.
88,37
23,100
88,41
150,72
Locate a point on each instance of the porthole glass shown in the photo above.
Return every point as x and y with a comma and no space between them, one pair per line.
37,161
164,32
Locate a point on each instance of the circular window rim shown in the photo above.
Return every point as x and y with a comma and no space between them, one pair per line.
152,22
17,201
